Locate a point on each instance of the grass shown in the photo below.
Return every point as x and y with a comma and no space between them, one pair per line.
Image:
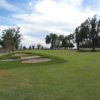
70,75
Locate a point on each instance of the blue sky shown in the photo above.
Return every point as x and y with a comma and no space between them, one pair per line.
37,18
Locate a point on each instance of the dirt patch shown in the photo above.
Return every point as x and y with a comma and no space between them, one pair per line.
25,84
3,73
36,60
20,54
30,57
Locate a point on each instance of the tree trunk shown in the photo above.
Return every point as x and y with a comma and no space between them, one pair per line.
93,46
12,49
52,45
9,52
77,45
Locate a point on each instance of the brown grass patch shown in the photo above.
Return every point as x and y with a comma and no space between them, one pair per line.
3,72
25,84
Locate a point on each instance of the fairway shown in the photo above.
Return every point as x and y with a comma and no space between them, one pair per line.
70,75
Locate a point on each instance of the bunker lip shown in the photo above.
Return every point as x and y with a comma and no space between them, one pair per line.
20,54
10,60
30,57
27,57
36,60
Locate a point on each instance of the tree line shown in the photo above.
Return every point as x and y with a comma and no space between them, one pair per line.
60,41
87,35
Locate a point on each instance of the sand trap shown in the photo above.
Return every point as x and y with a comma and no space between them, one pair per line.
10,60
21,54
36,60
1,54
30,57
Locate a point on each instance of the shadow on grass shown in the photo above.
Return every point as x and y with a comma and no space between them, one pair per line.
82,50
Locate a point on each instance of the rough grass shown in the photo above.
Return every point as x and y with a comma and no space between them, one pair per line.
76,79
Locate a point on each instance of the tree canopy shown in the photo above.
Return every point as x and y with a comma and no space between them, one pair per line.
11,38
88,33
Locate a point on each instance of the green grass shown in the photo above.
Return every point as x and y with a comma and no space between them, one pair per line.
70,75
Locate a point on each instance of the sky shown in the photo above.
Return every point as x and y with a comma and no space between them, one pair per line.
38,18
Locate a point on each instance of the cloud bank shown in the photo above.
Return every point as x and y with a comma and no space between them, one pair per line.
48,16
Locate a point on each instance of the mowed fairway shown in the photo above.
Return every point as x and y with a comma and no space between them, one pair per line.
76,79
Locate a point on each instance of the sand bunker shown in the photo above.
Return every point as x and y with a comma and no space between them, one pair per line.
1,54
36,60
30,57
21,54
10,60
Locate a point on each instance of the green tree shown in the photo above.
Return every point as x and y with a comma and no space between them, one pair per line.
70,40
77,39
61,38
94,29
39,46
30,47
17,37
33,46
11,38
64,42
67,41
52,38
24,47
88,32
1,43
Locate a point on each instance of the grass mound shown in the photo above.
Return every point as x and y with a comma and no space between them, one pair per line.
17,63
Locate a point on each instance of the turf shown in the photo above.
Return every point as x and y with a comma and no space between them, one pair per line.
71,75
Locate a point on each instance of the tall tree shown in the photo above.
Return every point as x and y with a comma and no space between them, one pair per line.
11,38
61,38
70,40
39,46
64,42
77,39
17,37
94,27
83,33
52,38
87,32
1,43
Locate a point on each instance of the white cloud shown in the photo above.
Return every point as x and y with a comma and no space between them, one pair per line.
51,16
56,16
64,11
30,3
